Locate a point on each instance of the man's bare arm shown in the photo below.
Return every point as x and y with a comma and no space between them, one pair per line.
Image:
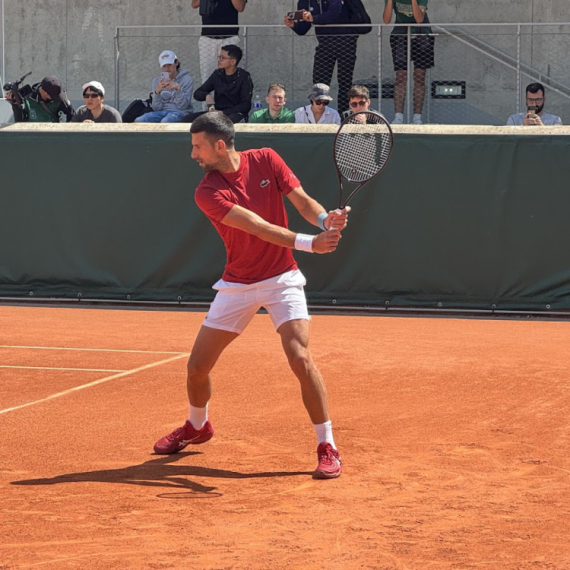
310,209
239,5
249,222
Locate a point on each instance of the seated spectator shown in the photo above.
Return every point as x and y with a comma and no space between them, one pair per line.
231,86
359,100
171,92
94,110
276,111
46,103
535,115
318,111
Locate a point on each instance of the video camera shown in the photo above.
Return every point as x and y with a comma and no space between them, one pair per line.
18,93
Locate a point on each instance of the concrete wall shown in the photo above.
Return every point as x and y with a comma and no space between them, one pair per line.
73,39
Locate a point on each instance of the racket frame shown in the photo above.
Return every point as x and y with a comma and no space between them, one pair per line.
350,120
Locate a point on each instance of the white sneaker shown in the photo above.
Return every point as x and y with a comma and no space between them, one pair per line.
398,119
417,120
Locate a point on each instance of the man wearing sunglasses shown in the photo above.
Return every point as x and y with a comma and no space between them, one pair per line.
535,114
94,110
318,112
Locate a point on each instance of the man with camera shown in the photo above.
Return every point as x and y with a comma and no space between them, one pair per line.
44,102
336,45
535,115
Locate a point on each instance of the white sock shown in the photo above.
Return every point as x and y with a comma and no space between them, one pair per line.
324,433
399,116
417,117
198,416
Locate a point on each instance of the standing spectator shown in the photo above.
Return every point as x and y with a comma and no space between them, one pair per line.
318,112
276,111
46,103
231,85
336,46
535,115
171,92
422,43
221,13
94,110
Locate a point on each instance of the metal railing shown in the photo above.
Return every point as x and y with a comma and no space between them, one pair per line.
487,66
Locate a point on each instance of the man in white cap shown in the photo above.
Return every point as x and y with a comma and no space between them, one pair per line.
94,110
171,92
318,112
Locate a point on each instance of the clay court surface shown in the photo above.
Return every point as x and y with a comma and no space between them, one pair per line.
454,435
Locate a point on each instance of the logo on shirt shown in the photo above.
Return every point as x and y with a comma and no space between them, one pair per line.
264,183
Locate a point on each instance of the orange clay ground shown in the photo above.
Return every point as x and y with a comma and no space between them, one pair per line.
454,434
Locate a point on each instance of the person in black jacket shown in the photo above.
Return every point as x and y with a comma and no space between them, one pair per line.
231,86
335,45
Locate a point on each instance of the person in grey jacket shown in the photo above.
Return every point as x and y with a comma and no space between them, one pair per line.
171,92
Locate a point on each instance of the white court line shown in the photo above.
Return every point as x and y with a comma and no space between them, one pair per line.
96,382
55,368
88,349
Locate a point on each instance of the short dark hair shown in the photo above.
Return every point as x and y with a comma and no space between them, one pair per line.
358,91
535,88
216,125
234,52
95,90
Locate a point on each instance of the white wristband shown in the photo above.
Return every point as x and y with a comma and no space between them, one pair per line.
321,220
304,242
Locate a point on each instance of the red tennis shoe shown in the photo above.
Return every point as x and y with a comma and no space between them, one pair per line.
330,465
183,436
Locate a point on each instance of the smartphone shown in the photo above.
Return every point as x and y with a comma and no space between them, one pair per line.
295,16
165,76
531,109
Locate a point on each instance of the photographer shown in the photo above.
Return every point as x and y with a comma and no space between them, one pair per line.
44,102
535,115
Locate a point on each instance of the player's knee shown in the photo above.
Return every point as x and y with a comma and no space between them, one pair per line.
300,363
197,371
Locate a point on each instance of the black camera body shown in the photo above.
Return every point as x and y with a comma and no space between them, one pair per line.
18,93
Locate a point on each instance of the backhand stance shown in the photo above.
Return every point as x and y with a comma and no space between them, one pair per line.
241,194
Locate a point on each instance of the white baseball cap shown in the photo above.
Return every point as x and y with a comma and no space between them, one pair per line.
95,85
166,56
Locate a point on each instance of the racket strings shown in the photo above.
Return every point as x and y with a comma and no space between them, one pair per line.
361,155
362,146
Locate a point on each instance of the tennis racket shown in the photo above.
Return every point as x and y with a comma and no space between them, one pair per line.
362,147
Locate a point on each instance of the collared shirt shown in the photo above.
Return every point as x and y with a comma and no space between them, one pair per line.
547,119
305,115
263,116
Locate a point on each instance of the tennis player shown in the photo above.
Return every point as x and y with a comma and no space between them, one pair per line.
241,194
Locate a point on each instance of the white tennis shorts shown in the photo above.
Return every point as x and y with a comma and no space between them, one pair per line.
235,304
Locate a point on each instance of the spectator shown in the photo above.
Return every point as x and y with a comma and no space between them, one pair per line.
422,44
318,112
535,115
171,92
276,111
231,85
94,110
47,103
216,12
335,45
358,100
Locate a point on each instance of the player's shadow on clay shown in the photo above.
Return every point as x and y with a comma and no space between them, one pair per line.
160,473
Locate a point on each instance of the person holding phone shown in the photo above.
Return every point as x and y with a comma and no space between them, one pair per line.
535,114
171,92
336,45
